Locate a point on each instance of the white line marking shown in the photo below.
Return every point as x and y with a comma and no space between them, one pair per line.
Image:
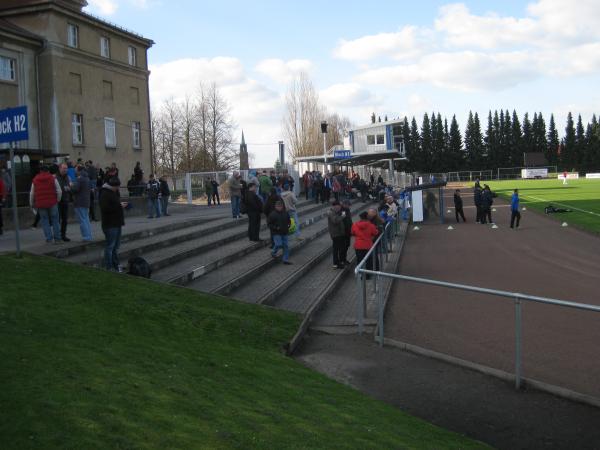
562,204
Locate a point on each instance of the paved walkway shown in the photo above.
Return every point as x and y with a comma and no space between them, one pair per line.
560,346
32,240
458,399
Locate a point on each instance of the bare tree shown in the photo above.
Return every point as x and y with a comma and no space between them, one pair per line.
302,122
303,118
189,116
222,154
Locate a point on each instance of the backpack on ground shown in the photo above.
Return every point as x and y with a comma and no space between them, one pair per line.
139,267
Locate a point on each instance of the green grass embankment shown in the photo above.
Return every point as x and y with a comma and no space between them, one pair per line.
92,360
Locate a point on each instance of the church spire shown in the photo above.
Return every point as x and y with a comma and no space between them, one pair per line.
244,163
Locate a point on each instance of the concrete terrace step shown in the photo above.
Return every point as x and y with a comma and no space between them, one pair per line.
179,244
241,271
269,285
203,263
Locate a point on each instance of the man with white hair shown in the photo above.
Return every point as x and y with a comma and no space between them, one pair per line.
235,193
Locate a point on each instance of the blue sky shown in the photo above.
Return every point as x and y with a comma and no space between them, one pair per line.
392,57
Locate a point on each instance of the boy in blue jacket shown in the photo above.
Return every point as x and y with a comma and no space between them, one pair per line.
514,209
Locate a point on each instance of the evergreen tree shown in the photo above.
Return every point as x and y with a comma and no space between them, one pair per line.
474,143
517,146
507,140
552,143
540,143
527,138
426,145
455,150
567,156
580,144
415,142
594,145
373,118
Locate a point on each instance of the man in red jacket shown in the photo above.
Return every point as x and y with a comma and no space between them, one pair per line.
364,232
2,200
44,197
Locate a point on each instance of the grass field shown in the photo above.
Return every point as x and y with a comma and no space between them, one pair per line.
581,196
92,360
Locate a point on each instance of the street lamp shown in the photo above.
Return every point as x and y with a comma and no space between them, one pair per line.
324,131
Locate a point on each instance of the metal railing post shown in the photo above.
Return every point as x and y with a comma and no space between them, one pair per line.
380,311
360,280
188,187
518,337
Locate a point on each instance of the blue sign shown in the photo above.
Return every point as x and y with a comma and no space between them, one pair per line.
14,125
342,154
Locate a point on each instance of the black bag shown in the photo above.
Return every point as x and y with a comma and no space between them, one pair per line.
139,267
243,208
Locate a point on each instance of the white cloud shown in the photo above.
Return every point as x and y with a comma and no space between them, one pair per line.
348,95
104,7
486,52
255,107
282,71
408,42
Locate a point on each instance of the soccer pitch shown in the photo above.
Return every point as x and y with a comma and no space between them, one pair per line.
581,196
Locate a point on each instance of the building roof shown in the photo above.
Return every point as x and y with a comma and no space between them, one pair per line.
378,124
10,27
16,4
357,159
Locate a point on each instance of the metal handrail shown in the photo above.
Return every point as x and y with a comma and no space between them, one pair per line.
517,297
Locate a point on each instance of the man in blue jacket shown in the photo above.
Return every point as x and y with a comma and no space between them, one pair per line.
514,209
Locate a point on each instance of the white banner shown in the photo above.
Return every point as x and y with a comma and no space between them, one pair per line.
534,173
570,176
592,175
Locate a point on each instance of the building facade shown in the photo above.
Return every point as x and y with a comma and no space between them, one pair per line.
84,80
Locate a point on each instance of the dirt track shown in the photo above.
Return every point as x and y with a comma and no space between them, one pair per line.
560,346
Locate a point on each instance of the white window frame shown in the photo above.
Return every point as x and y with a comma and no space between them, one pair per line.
110,132
105,47
8,69
73,36
373,137
382,136
132,56
77,128
136,134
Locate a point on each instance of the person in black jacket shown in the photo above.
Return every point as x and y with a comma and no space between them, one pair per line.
279,224
348,228
269,207
111,210
477,199
254,209
458,206
165,194
486,204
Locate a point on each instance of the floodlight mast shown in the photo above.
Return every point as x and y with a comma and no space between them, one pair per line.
324,131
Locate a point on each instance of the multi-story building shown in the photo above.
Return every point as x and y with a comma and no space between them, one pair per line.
84,80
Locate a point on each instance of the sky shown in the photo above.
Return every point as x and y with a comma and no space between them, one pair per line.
394,58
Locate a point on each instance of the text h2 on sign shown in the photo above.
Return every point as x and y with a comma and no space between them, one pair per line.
14,125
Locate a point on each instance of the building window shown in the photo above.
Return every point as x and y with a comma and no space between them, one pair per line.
110,133
73,36
380,139
105,47
135,95
7,69
135,130
75,83
132,52
107,90
370,139
77,127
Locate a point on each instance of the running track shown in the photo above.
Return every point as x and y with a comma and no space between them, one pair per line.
560,346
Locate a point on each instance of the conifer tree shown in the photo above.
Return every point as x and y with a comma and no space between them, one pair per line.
552,142
580,147
527,138
516,153
455,150
426,145
415,142
567,156
474,142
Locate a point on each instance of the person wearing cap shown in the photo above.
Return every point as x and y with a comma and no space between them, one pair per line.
44,197
254,207
235,193
337,232
111,210
290,201
279,223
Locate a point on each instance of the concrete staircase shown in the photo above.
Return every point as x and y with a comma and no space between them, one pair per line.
214,255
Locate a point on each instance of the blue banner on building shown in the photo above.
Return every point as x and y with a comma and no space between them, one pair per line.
342,154
14,125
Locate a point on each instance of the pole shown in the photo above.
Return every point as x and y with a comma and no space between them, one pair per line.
14,199
517,343
324,153
360,279
380,310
